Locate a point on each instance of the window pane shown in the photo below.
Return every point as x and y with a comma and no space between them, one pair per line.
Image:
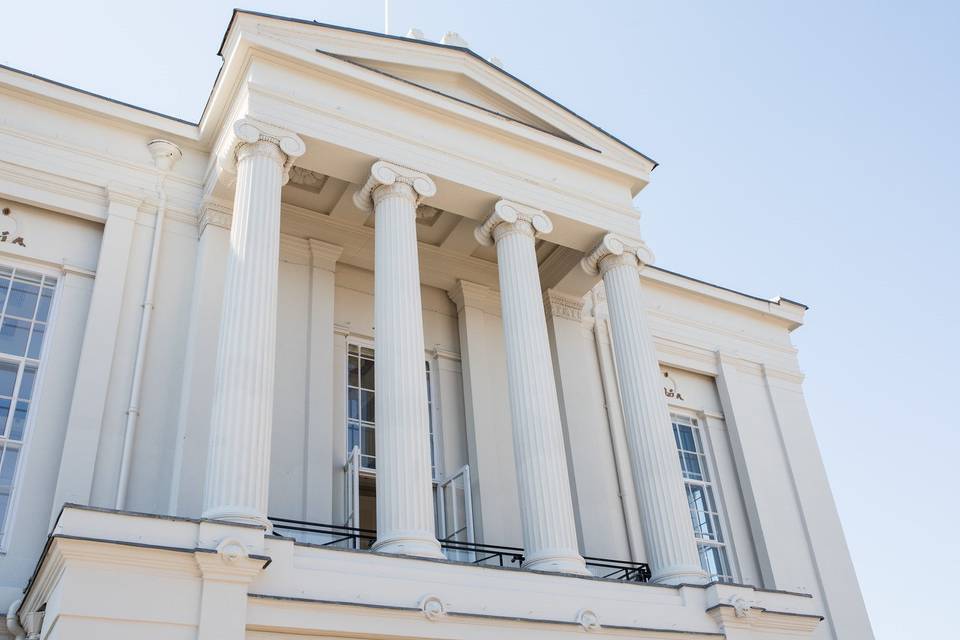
4,287
43,310
4,412
19,421
367,406
685,435
353,404
353,436
366,374
368,443
7,467
13,336
353,368
713,560
26,384
23,299
366,352
691,466
352,348
4,499
36,341
8,377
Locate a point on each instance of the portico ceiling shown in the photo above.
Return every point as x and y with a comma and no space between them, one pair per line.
321,207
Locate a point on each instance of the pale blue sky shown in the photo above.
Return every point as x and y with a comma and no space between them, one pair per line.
806,149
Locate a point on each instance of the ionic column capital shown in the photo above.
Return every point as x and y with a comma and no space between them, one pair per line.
384,174
512,217
615,250
255,137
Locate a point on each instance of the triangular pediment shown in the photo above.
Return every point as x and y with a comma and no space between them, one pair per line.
450,72
462,88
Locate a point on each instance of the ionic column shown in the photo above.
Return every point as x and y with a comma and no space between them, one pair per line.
238,466
546,506
664,512
405,522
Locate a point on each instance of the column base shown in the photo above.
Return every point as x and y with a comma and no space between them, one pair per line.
409,545
679,575
557,562
239,515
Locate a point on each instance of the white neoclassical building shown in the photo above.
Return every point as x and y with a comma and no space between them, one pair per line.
375,350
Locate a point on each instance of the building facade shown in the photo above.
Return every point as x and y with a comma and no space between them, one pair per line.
375,350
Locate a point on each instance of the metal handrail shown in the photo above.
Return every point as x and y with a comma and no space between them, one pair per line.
482,553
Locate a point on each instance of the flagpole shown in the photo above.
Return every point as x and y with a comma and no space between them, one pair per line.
386,17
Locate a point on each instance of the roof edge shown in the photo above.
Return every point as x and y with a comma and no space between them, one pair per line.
430,43
99,96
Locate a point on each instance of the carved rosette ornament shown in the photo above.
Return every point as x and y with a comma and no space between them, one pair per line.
742,608
433,607
231,550
589,620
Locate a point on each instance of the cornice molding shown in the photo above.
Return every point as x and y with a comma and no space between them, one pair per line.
216,213
477,296
324,255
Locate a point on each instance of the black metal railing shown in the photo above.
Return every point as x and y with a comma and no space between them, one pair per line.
329,535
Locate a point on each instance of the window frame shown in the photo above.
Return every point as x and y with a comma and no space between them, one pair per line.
433,415
40,362
712,489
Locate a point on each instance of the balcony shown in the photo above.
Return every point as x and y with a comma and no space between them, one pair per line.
335,536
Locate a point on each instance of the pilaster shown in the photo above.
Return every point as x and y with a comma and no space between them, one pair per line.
493,474
196,391
318,449
82,439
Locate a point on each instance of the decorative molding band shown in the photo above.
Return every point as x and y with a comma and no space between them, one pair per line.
614,250
563,306
384,173
216,213
445,354
324,255
295,250
521,217
117,194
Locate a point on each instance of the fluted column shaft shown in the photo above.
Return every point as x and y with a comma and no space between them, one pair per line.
238,466
405,521
664,512
546,505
